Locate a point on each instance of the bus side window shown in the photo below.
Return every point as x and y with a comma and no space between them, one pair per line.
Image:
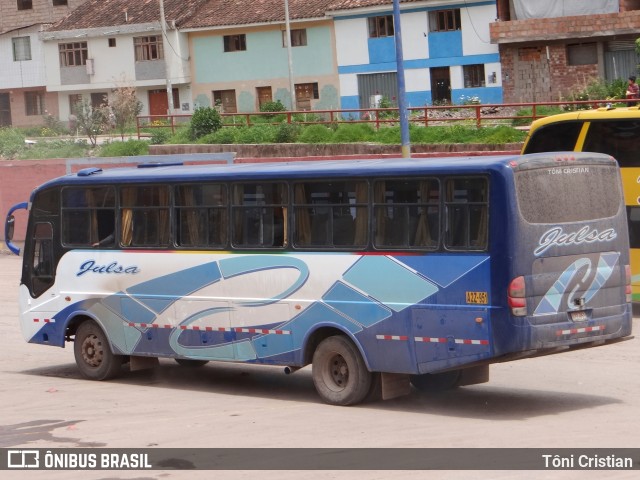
556,137
331,214
466,206
201,215
259,215
88,216
42,263
145,216
406,213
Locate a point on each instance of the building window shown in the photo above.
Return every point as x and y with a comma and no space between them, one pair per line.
225,100
582,54
25,5
235,43
21,49
75,101
34,103
73,54
99,99
112,42
298,37
148,48
444,20
473,75
381,26
60,3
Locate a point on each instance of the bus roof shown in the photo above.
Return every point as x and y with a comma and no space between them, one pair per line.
604,113
148,173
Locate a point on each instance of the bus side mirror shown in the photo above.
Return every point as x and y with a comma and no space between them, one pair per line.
9,227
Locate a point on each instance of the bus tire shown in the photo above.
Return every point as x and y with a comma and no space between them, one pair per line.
339,372
436,382
93,354
190,363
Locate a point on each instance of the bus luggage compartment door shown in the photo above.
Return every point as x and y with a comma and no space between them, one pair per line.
447,337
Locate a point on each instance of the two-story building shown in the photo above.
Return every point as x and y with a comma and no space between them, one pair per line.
241,56
104,44
448,56
550,47
23,95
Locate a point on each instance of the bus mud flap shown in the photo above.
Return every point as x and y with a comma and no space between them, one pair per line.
395,385
142,363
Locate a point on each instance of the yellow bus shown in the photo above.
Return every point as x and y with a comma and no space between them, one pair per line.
614,131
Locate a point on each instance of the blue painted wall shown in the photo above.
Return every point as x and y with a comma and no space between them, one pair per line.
445,44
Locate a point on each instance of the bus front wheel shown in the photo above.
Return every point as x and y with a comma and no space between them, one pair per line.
93,354
339,372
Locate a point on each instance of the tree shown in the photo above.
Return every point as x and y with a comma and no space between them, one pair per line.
125,107
92,121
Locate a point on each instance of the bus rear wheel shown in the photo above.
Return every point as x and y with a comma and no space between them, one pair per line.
93,354
339,372
436,382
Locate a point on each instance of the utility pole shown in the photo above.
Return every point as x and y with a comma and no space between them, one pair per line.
402,103
167,67
287,26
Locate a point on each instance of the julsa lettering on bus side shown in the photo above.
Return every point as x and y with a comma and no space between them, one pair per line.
90,266
557,236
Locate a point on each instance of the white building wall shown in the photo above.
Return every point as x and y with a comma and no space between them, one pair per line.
417,80
348,84
23,74
352,47
415,28
475,30
112,65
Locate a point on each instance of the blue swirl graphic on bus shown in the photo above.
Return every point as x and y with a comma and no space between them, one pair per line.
553,298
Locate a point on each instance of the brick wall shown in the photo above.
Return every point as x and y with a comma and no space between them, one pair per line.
550,29
43,11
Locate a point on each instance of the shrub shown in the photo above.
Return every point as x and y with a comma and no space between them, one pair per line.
160,136
181,137
205,120
352,133
276,106
11,142
130,148
315,134
256,134
287,133
224,136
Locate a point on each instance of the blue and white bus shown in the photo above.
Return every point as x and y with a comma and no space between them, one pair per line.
378,273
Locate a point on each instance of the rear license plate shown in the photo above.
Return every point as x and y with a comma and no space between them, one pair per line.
579,316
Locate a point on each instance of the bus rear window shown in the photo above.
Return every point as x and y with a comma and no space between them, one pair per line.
556,137
573,193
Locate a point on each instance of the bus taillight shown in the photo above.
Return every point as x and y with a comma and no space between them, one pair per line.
517,297
627,289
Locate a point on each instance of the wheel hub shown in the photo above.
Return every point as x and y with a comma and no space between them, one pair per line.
92,352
